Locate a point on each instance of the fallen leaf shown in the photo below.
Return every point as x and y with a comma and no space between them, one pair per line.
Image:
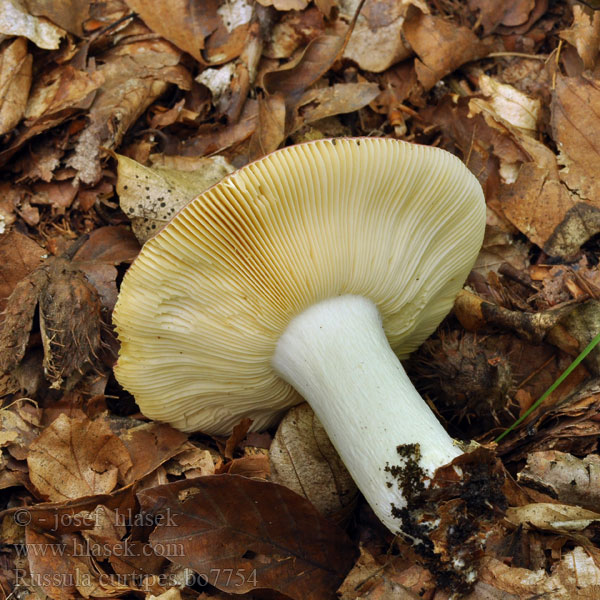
510,13
376,42
19,426
285,4
59,90
270,131
134,74
151,197
584,34
15,81
19,256
184,24
569,479
292,31
303,459
510,105
70,14
441,46
73,458
271,537
151,445
15,20
576,130
238,433
336,99
552,517
575,576
297,75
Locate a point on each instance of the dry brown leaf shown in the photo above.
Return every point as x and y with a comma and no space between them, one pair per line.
576,130
395,579
562,476
584,34
510,13
61,89
134,76
297,75
19,256
576,576
46,559
295,29
339,98
376,42
19,426
270,131
185,24
151,197
73,458
551,517
271,537
509,105
212,139
285,4
15,20
441,46
303,459
68,14
15,81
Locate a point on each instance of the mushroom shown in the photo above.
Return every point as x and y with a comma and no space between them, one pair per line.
307,275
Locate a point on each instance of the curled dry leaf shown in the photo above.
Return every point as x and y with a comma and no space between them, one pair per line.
185,24
316,104
15,20
73,458
70,15
510,13
271,537
303,459
19,256
150,445
285,4
510,105
15,81
569,479
584,34
134,74
19,426
575,576
441,46
552,517
576,130
151,197
376,42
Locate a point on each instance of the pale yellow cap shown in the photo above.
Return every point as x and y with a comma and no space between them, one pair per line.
202,308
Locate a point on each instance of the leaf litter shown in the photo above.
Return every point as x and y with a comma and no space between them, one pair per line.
115,114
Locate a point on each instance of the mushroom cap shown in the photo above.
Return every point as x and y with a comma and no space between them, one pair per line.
201,309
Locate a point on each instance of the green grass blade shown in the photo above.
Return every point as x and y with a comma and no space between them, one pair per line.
563,376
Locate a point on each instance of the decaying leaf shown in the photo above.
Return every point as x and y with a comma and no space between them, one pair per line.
376,42
15,20
77,457
15,81
303,459
441,46
151,197
576,130
183,23
569,479
271,536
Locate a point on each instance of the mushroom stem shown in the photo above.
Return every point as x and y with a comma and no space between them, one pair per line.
336,355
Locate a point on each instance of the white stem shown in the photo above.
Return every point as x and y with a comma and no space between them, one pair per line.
337,357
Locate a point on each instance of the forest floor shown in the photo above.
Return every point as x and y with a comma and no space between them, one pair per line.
115,114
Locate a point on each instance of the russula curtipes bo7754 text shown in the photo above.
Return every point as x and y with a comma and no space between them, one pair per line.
306,274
